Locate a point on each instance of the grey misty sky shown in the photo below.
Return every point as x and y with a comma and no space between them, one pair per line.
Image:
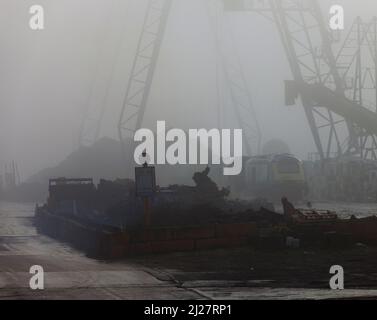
45,77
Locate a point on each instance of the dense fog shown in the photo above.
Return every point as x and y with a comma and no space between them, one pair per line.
50,78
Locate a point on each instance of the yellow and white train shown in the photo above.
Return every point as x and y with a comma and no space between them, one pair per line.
272,177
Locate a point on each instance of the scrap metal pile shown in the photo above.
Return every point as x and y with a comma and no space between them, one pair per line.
114,203
204,203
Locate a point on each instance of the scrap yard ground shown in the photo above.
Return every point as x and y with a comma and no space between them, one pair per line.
243,273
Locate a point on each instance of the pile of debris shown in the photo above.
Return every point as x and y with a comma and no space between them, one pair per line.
205,203
114,203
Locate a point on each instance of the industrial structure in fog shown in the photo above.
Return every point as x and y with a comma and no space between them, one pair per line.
332,87
338,92
336,82
144,65
334,78
10,178
143,69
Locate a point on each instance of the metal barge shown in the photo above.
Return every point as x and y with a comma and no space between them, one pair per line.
76,213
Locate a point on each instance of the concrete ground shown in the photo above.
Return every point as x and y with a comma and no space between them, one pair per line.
220,274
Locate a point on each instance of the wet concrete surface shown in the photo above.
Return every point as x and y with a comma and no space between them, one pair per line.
242,273
69,274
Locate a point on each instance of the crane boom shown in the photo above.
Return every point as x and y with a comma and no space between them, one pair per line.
308,45
142,72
